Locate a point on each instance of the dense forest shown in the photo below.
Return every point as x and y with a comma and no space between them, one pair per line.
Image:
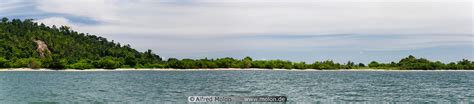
27,44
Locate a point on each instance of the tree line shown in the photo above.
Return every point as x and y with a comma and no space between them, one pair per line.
72,50
408,63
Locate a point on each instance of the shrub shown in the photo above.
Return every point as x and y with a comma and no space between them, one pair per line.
108,63
80,65
4,63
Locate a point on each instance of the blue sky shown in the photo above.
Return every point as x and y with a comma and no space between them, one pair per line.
296,30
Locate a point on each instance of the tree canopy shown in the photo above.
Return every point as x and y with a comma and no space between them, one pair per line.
68,48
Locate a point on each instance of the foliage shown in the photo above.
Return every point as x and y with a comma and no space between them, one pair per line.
67,48
108,63
81,64
70,49
4,63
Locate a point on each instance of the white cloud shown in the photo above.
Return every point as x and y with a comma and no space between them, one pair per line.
188,24
213,18
58,21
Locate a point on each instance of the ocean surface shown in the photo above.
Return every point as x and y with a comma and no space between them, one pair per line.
176,86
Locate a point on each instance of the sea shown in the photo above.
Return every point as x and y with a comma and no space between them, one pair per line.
51,87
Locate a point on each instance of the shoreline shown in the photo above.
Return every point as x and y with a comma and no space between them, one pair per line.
217,69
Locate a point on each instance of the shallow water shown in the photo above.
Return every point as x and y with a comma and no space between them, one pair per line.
176,86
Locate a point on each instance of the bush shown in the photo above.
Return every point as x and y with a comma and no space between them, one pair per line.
57,64
80,65
34,64
24,63
4,63
108,63
299,65
373,64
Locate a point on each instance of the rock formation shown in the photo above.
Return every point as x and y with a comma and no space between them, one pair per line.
42,48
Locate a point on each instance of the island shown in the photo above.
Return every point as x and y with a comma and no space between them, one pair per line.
27,44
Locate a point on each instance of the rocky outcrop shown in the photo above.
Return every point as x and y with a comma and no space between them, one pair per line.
42,48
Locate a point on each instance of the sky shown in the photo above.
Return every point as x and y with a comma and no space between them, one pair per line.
295,30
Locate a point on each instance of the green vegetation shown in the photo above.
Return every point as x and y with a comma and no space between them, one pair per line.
26,44
65,48
408,63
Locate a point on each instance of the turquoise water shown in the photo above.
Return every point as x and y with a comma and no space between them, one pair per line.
176,86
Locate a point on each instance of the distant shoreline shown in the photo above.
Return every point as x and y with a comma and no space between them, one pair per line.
217,69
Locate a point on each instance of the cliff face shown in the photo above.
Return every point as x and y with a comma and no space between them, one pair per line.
42,48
